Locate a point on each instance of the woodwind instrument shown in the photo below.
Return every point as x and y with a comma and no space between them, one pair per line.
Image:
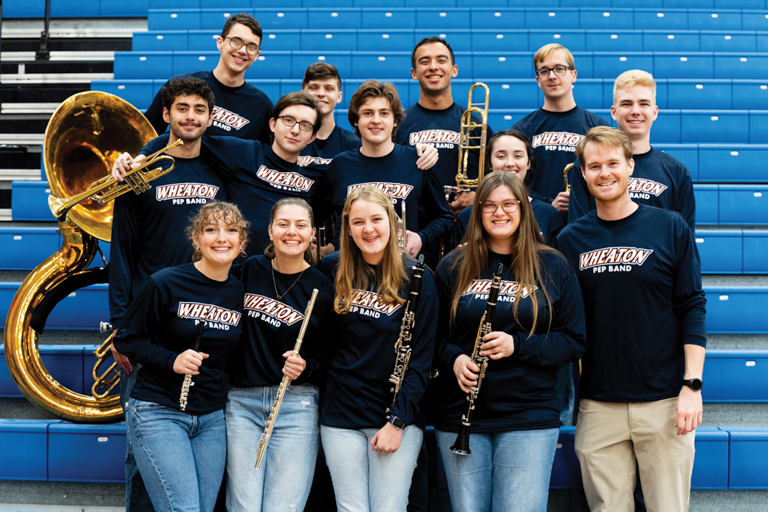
461,446
188,378
403,343
283,386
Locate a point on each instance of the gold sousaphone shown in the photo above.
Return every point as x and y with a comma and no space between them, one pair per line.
83,139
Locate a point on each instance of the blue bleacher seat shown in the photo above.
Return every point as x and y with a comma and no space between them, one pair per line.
81,310
133,65
86,453
671,41
382,66
715,126
214,19
174,4
73,9
748,465
326,40
758,126
138,93
724,41
755,251
388,19
697,94
606,18
589,93
29,201
750,94
504,119
202,40
300,61
272,64
741,65
707,204
611,64
283,19
502,65
187,62
684,65
506,94
272,88
566,472
134,8
614,40
65,364
25,449
443,19
498,19
743,204
666,128
754,20
315,4
173,19
458,39
159,41
710,467
500,40
291,85
25,247
393,40
715,19
736,376
551,18
574,40
719,161
686,153
334,19
661,19
720,251
736,309
282,40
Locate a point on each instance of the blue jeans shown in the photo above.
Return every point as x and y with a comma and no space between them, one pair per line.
136,497
180,456
366,481
506,471
284,478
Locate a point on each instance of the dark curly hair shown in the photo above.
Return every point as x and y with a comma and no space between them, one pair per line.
186,87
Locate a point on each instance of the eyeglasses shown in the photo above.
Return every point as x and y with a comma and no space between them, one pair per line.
507,206
236,43
291,121
559,71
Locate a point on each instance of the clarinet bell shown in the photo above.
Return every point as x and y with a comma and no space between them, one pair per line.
461,446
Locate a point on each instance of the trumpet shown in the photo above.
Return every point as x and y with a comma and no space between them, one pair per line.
468,141
565,176
461,446
104,190
264,441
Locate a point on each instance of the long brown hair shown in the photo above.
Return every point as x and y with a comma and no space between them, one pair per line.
269,252
472,258
353,272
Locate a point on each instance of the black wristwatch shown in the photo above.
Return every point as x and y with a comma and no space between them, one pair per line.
694,384
397,422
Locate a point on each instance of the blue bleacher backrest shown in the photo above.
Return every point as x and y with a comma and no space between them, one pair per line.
715,126
744,204
552,18
755,252
695,94
86,453
614,40
65,364
611,64
301,60
671,41
497,19
443,19
748,463
388,40
504,119
273,65
666,128
461,39
500,40
159,41
24,248
174,4
724,41
661,19
8,387
710,467
720,251
388,19
282,19
173,19
380,65
754,20
736,376
134,8
340,116
758,126
688,154
566,472
732,162
271,88
214,19
132,65
188,62
715,19
202,40
606,18
707,204
750,94
736,309
83,309
504,65
506,94
138,93
29,201
334,19
325,40
589,93
741,65
684,65
574,40
25,449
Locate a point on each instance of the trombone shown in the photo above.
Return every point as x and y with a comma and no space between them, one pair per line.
565,176
468,142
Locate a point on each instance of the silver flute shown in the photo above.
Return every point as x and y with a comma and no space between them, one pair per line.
188,378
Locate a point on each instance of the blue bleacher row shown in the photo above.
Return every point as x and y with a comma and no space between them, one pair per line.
726,457
723,251
325,17
521,93
476,65
731,375
475,40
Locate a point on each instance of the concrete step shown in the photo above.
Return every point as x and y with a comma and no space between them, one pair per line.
61,496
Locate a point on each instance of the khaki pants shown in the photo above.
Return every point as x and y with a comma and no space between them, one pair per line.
612,439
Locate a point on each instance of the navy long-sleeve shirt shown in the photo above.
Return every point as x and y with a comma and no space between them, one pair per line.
323,151
658,180
518,392
241,112
148,229
271,326
396,174
357,391
553,137
641,281
163,322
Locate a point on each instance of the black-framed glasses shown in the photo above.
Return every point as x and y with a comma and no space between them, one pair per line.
236,43
559,71
507,206
291,121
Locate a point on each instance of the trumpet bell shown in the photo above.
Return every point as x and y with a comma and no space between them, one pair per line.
83,139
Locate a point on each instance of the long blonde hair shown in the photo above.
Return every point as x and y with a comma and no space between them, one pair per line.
472,257
353,272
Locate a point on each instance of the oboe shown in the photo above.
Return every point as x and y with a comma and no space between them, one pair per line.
403,343
188,378
283,385
461,446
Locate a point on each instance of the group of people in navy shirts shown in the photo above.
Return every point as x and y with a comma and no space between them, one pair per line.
211,272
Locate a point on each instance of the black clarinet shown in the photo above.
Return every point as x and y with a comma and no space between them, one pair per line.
403,344
461,446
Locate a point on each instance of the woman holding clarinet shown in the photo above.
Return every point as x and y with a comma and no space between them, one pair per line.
278,288
371,435
498,448
181,327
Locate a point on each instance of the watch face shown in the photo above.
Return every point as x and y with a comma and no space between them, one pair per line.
694,384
